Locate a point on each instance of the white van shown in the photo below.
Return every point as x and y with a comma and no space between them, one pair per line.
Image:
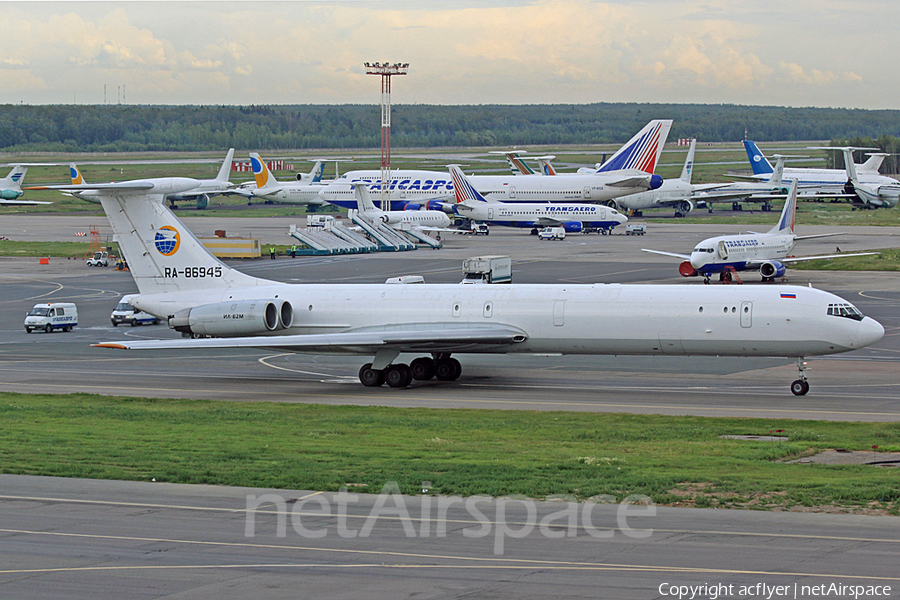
48,316
552,233
129,315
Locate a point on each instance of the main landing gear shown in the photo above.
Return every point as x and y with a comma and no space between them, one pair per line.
399,375
800,386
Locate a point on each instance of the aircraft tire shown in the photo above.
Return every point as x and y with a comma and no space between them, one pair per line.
422,368
800,387
370,377
447,369
398,375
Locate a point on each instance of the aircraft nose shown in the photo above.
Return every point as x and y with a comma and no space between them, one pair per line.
697,260
868,332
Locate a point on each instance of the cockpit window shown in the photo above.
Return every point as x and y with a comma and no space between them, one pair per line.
845,310
705,250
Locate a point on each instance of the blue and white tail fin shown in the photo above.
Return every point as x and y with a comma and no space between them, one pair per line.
642,151
225,169
163,255
688,170
788,213
264,178
760,165
13,181
317,172
464,190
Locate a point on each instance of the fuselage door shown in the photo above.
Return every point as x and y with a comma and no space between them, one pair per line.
559,312
512,191
490,213
723,251
746,314
586,194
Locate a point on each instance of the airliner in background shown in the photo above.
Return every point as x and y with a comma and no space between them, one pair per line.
11,188
629,170
423,219
266,187
827,180
573,218
200,194
883,194
769,252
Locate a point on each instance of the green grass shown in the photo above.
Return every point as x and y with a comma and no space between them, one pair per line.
55,249
462,452
887,260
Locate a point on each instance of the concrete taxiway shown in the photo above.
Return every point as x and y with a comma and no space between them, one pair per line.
88,539
860,385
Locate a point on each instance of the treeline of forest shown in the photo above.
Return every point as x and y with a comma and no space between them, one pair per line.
134,128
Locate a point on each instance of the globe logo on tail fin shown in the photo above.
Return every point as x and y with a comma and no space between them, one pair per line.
167,240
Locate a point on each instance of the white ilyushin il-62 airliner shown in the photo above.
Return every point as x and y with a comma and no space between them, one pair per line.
628,171
572,217
179,280
767,252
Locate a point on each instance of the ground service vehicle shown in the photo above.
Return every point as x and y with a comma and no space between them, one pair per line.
552,233
487,269
48,316
126,314
635,229
99,259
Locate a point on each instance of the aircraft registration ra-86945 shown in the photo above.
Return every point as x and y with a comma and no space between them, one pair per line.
180,281
628,171
768,252
572,217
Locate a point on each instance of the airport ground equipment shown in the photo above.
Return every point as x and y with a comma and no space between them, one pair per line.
487,269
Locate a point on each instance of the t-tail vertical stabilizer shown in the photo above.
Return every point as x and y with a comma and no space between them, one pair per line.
688,170
163,255
225,169
264,179
760,165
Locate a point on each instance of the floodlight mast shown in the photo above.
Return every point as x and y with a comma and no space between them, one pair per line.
386,70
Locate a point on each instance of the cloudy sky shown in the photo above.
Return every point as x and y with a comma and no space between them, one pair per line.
832,53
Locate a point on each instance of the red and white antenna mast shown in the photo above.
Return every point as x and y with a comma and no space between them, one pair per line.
386,70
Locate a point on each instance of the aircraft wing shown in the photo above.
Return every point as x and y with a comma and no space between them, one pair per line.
22,202
674,254
631,182
124,186
436,337
805,258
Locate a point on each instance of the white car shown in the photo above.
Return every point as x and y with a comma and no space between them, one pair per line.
552,233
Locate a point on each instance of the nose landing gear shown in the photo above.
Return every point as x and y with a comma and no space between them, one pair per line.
801,386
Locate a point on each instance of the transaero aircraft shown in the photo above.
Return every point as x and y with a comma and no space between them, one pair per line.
179,280
628,171
573,217
828,179
766,252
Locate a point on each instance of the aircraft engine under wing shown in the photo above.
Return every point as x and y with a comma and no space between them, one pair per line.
431,337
